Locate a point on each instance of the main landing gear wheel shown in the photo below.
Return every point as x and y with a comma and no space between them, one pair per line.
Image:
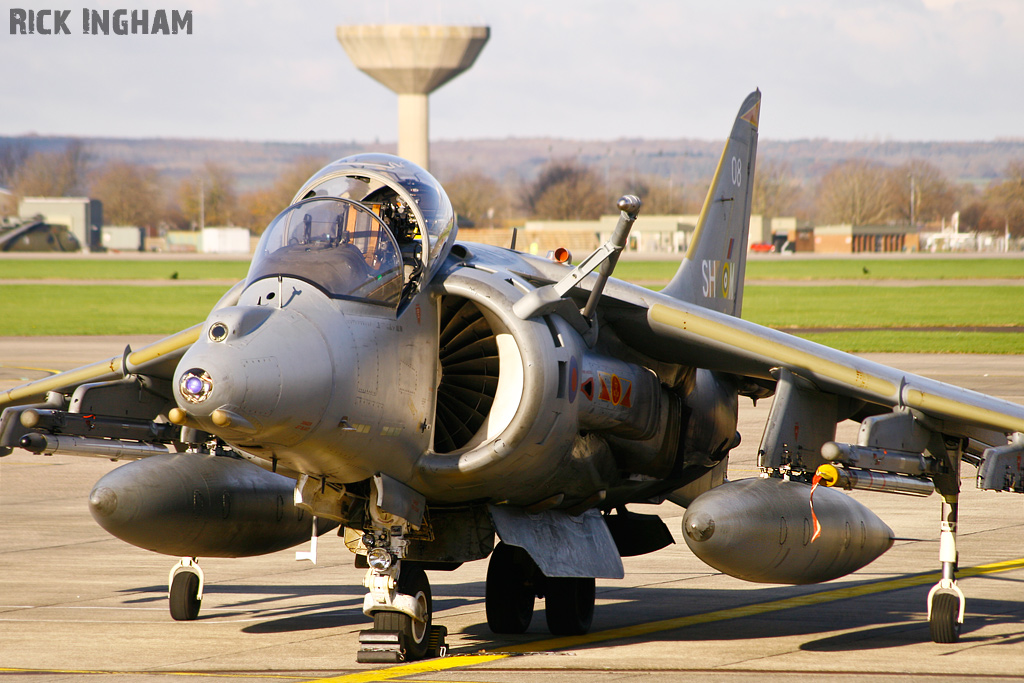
184,596
570,605
413,635
510,590
943,623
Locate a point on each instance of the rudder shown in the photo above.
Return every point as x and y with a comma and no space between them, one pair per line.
711,274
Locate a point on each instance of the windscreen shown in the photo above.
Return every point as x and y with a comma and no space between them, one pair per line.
340,246
414,205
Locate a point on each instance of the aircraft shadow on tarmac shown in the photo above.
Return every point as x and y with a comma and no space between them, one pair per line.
347,614
887,619
881,620
914,631
344,610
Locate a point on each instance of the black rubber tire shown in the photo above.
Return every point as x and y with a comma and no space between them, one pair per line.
510,590
184,598
569,605
943,624
414,636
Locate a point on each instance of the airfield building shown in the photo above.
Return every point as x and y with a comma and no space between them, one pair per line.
83,217
856,239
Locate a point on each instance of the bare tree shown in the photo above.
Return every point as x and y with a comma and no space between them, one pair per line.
259,207
13,153
855,192
1005,200
476,198
776,192
54,174
131,194
208,197
566,191
922,183
660,196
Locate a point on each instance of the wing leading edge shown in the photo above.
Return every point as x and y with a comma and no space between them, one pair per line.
155,360
745,348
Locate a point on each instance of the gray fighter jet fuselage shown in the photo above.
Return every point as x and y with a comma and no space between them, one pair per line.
426,395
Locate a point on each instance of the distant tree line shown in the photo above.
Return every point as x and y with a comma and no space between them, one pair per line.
854,191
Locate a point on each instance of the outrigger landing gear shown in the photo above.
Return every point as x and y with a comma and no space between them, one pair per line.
185,589
946,601
514,580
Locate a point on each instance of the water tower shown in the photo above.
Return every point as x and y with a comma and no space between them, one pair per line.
413,61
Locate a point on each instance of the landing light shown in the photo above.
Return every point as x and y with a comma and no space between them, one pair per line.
379,559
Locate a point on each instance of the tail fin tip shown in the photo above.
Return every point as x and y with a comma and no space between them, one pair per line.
711,274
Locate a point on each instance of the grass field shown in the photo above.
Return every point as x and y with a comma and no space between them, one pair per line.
781,268
48,310
837,306
785,268
44,310
922,342
110,269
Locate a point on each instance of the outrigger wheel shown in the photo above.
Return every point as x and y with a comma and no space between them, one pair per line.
943,622
184,591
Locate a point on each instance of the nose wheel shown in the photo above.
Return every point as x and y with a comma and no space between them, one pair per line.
185,590
403,628
413,634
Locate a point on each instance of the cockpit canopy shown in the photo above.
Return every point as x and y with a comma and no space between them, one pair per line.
340,246
372,227
409,200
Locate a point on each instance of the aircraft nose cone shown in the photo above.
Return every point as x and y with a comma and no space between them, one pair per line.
270,381
102,501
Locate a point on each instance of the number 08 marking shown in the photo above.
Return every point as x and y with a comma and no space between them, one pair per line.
737,171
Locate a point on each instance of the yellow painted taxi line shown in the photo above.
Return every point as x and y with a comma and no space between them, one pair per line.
649,628
147,674
426,666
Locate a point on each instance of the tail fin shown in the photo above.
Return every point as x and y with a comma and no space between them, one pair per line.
711,274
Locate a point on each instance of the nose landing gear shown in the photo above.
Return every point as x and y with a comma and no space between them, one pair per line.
402,628
399,602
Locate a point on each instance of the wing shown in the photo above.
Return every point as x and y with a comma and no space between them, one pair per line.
95,408
816,387
156,360
740,347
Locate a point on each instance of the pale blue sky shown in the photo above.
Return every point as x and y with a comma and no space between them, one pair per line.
271,70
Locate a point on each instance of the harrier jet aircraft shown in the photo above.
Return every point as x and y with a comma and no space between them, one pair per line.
442,402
